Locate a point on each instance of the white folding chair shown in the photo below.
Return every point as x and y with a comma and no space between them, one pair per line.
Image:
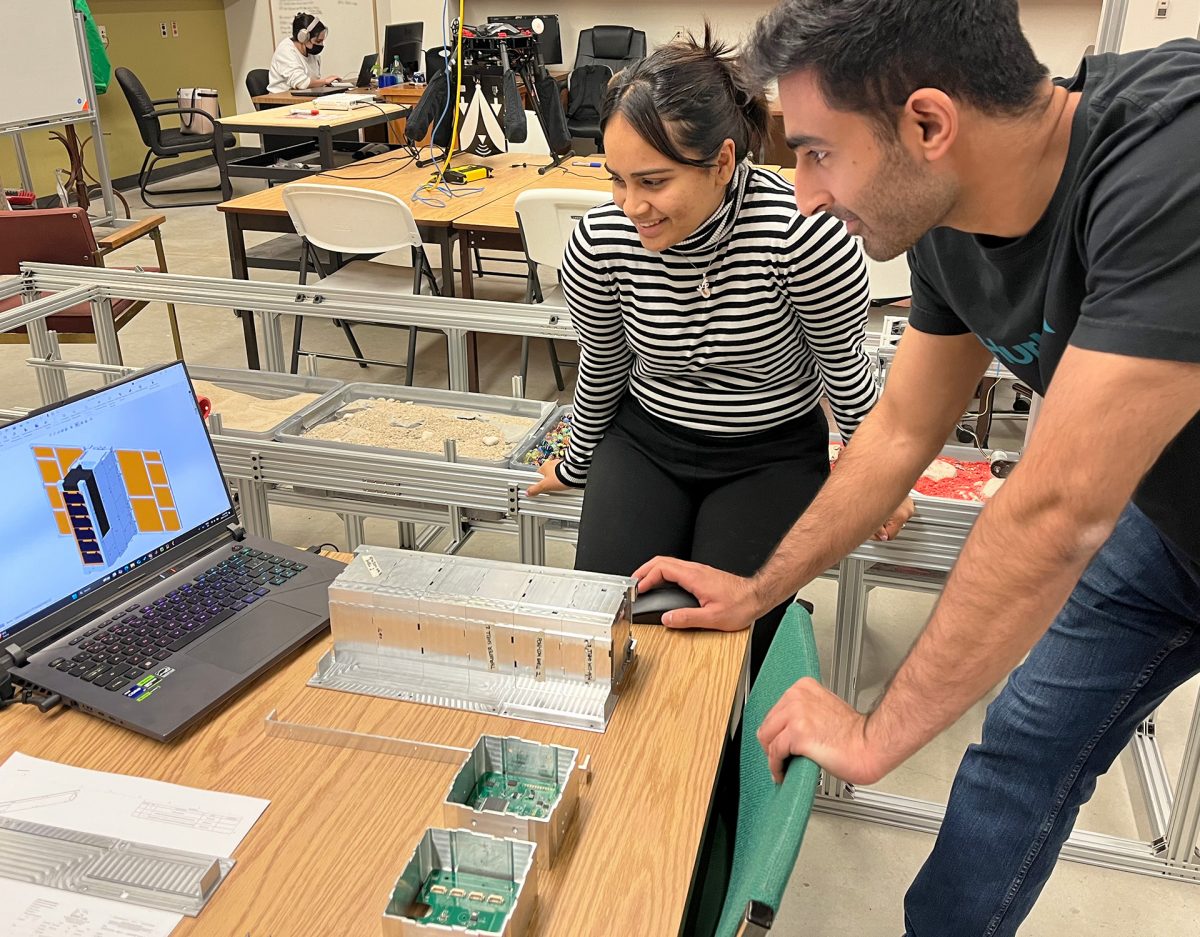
345,220
547,218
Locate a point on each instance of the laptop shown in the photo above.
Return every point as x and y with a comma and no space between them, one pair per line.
129,588
363,81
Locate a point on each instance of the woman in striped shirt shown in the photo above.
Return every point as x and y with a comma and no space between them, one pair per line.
712,318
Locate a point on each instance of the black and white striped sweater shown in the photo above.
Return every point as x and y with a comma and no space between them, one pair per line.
784,323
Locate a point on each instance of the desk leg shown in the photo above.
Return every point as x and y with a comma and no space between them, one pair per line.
464,263
240,270
325,142
468,292
156,237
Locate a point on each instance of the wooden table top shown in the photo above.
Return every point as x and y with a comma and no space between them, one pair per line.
286,116
500,215
376,174
343,823
280,98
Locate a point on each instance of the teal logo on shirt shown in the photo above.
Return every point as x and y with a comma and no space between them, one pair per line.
1025,352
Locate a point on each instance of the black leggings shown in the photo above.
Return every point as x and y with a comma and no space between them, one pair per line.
657,488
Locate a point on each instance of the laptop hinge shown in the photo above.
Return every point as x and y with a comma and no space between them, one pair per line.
14,653
237,531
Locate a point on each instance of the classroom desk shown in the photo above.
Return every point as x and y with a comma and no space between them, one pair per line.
342,823
265,211
283,122
494,225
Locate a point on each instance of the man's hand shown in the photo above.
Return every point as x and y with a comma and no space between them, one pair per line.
549,480
808,720
896,522
727,602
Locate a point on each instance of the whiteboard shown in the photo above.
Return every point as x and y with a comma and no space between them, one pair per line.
43,66
352,30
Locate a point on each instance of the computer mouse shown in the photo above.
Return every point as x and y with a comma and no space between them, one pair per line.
649,607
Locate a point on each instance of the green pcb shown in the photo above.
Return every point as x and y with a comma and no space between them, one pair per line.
478,902
520,796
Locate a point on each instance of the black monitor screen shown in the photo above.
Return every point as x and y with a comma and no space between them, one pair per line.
403,40
549,42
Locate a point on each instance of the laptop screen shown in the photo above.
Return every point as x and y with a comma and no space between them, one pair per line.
97,485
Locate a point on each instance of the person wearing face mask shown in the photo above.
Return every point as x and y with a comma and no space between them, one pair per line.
296,63
712,320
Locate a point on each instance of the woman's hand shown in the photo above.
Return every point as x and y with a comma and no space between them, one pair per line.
896,522
549,480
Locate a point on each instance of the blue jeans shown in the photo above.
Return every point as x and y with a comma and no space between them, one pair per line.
1125,639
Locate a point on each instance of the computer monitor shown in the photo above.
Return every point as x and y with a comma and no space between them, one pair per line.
404,40
549,42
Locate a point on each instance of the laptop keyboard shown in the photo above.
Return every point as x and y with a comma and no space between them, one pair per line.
127,644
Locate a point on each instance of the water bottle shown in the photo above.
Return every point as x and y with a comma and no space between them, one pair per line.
397,69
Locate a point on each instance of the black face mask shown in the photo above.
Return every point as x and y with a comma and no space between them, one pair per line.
315,50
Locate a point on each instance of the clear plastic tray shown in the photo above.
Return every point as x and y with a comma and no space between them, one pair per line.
267,385
543,428
536,410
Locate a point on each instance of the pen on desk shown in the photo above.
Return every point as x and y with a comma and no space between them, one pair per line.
588,165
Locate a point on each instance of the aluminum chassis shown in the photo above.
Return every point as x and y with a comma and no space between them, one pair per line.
432,494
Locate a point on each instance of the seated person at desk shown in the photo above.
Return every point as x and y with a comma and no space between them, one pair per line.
296,63
712,319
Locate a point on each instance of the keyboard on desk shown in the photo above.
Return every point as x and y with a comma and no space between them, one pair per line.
126,644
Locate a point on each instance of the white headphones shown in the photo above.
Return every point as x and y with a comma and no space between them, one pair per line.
307,32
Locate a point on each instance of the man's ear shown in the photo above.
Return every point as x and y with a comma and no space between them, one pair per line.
929,122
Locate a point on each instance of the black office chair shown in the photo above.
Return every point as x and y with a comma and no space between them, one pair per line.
602,52
257,80
164,142
436,58
614,46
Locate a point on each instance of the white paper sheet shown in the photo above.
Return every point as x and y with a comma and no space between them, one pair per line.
118,805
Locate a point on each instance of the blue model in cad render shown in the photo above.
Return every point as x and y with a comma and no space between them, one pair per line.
98,507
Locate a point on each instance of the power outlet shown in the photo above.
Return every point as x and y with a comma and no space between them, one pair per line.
103,34
1160,10
174,29
162,28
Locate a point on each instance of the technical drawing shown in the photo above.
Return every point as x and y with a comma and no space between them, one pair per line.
185,816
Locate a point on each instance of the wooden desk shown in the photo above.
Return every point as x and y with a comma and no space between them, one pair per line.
265,211
495,225
283,121
280,98
342,823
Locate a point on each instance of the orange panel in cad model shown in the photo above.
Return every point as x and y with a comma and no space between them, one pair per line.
67,456
145,512
133,472
149,490
53,464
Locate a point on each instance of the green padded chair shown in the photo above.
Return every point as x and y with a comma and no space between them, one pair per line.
771,817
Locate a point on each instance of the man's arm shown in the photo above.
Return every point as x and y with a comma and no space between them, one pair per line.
1104,423
930,383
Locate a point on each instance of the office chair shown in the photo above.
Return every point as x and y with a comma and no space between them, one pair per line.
257,80
546,219
346,220
165,142
601,53
772,817
65,236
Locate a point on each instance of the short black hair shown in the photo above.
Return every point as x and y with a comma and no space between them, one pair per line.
687,98
868,56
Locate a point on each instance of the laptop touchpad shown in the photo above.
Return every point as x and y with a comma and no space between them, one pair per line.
246,642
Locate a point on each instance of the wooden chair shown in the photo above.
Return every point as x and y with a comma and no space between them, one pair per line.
65,236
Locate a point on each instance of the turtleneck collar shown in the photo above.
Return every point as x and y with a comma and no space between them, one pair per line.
712,233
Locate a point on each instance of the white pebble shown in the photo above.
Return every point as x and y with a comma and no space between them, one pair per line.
490,440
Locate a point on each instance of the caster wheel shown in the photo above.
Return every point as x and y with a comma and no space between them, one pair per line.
963,436
1021,405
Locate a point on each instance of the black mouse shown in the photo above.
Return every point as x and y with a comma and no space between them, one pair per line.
648,607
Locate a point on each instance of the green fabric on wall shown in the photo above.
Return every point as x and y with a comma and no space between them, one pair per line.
101,66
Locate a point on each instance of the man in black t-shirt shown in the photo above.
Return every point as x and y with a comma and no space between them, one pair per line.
1054,225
